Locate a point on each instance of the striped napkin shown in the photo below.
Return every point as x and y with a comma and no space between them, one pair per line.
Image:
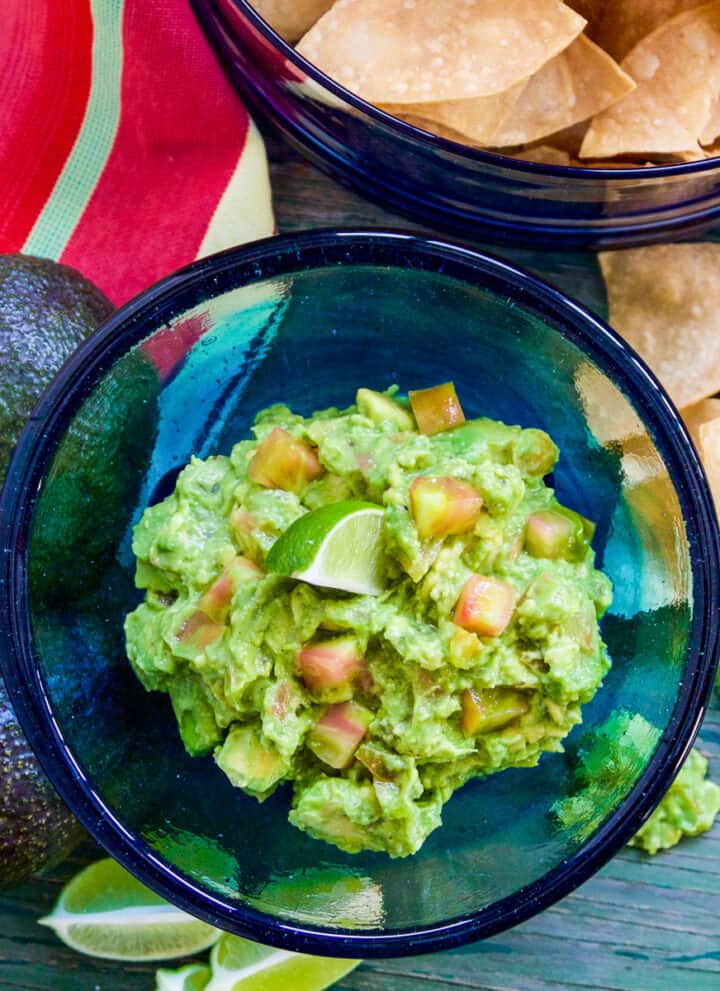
124,152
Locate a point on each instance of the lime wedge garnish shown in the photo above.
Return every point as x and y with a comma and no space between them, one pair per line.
337,546
240,965
105,912
194,977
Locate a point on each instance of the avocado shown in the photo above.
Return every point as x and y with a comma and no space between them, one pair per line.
36,830
90,490
46,311
250,763
196,720
380,408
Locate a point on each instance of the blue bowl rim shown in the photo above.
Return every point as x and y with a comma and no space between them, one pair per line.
477,155
284,255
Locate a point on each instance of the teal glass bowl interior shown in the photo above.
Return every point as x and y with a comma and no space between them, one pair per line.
306,319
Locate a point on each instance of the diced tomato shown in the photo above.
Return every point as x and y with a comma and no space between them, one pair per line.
436,409
284,462
558,533
443,506
332,665
339,732
485,606
242,521
548,535
216,601
490,708
199,630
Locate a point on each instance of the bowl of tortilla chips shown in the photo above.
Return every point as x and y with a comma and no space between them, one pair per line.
592,123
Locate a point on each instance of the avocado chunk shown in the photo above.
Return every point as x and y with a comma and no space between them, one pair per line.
46,311
250,762
36,830
382,409
195,716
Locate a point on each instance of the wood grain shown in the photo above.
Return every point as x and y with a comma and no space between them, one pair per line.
641,924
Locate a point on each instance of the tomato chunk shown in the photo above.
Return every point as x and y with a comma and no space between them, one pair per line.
330,668
199,630
488,709
436,409
443,506
485,606
338,733
558,533
216,601
284,462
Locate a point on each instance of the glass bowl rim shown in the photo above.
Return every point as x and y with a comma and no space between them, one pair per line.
471,154
285,254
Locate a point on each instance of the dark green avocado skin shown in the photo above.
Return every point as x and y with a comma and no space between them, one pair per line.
46,311
36,829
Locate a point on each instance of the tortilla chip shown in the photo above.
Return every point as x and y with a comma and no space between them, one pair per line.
711,131
575,85
677,69
592,10
477,118
292,18
626,22
433,127
709,436
698,414
545,154
569,139
665,301
423,51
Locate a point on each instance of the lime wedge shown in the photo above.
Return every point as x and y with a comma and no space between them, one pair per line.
337,546
195,977
105,912
240,965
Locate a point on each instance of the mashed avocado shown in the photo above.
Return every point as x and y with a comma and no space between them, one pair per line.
476,657
688,809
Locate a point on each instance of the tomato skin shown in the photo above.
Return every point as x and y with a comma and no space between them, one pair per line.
485,606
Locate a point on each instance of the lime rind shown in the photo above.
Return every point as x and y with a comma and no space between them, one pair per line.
239,965
105,912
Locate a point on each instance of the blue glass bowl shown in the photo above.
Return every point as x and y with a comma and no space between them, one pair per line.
305,319
443,184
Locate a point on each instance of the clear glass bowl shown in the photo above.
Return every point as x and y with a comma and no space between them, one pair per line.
305,319
442,184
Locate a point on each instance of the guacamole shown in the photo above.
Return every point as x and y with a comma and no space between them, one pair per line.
688,809
476,655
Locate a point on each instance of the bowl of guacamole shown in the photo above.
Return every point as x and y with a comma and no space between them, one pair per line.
460,637
415,540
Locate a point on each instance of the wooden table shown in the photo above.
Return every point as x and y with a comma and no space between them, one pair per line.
641,924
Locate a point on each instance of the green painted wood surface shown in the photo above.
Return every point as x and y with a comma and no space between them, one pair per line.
641,924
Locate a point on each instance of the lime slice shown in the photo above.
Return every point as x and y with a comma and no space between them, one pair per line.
105,912
195,977
337,546
240,965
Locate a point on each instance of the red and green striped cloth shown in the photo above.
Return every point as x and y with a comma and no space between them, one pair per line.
123,149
